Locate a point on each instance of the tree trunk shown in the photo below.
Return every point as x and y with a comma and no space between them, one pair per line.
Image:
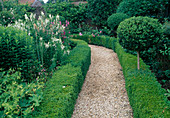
2,4
138,63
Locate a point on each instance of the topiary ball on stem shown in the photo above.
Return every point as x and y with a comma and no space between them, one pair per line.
115,19
139,33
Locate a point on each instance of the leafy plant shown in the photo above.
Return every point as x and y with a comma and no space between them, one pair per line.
143,89
18,98
168,93
62,89
114,20
17,51
50,37
76,15
100,10
6,17
152,8
139,33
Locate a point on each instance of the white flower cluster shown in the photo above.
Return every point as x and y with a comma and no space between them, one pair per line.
43,26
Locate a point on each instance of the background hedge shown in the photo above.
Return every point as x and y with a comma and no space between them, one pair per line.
152,8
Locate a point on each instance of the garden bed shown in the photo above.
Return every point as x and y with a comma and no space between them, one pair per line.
62,89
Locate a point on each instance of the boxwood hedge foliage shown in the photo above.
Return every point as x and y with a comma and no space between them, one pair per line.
140,33
105,41
62,89
145,93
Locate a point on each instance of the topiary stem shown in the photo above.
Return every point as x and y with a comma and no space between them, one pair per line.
138,62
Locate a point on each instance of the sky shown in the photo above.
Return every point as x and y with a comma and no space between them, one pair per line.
45,1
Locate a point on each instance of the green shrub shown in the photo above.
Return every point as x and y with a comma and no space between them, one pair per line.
76,15
18,98
100,10
18,10
115,19
152,8
61,93
6,17
99,40
17,51
62,89
166,27
50,38
82,51
145,94
140,33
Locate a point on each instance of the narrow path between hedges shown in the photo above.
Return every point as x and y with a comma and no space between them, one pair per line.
103,94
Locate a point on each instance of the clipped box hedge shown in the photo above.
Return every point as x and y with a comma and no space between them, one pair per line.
105,41
145,93
62,89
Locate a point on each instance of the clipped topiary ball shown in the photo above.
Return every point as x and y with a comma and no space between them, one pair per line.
140,33
114,20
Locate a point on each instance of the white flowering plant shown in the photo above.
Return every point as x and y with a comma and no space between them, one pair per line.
50,37
6,17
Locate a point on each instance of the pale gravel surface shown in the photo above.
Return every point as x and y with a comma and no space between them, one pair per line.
103,94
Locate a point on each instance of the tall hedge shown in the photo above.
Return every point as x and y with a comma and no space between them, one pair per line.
100,10
152,8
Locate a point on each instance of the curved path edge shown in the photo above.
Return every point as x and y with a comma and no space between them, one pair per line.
103,94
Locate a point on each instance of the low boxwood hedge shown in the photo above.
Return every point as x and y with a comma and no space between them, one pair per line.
145,93
105,41
62,89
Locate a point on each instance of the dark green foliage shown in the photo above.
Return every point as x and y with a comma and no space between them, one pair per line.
100,10
16,51
99,40
62,89
139,33
61,93
115,19
76,15
18,10
145,93
83,53
6,17
167,29
145,34
152,8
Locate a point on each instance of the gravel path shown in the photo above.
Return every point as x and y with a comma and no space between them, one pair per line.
103,94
